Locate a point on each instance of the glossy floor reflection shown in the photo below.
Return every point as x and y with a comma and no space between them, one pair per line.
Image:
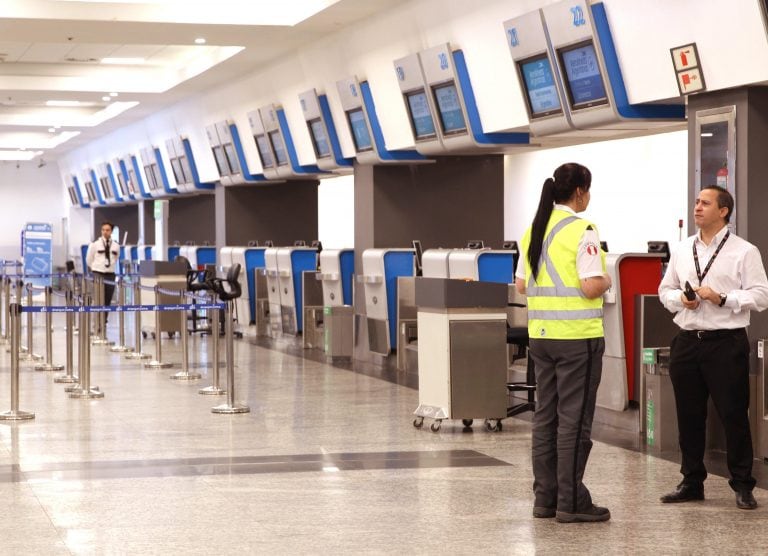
326,462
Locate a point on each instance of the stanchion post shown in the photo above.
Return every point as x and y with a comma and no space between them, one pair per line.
157,362
100,337
184,373
30,355
15,331
84,391
6,301
136,353
68,376
214,389
231,406
120,347
48,365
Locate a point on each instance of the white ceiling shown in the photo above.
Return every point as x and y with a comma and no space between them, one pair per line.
53,50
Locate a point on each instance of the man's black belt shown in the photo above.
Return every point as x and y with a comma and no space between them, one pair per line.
712,334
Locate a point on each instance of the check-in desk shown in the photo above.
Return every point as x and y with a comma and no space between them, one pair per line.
165,275
485,265
272,274
312,307
291,263
381,269
337,267
462,350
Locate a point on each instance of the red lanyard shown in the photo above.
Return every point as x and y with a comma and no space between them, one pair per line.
709,264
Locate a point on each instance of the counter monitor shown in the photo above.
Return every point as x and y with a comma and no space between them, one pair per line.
265,152
319,138
583,79
449,108
539,84
360,134
279,148
229,152
421,116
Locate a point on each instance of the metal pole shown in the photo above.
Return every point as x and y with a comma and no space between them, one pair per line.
100,338
68,376
230,406
120,347
157,362
30,355
6,301
136,353
15,330
48,365
184,373
214,389
85,391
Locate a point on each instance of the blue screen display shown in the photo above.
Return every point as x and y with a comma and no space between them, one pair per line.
264,151
421,116
582,71
319,138
540,88
359,130
234,164
449,107
279,147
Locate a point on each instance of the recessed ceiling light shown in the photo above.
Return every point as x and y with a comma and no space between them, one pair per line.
123,61
113,94
106,98
200,40
62,103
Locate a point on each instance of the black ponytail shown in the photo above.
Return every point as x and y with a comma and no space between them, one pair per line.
567,178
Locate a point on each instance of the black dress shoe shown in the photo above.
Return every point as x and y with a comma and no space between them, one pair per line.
684,493
595,513
745,500
543,512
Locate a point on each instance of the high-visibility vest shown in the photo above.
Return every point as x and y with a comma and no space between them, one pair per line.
557,307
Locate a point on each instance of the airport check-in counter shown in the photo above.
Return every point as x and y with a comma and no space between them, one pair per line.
337,266
462,350
166,275
291,263
229,256
273,291
484,265
381,270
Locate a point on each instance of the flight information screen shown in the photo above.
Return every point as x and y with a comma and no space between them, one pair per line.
319,138
265,153
583,78
421,115
539,84
449,108
359,130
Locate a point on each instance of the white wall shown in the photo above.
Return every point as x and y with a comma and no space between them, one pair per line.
639,188
336,212
30,194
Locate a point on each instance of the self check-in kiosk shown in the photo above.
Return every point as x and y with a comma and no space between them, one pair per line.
291,262
273,291
363,125
183,166
322,131
381,268
224,140
154,171
570,74
441,106
337,267
434,263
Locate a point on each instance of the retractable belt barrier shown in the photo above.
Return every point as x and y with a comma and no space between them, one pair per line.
126,308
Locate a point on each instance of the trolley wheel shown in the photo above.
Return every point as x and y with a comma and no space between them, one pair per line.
493,425
418,422
467,422
435,426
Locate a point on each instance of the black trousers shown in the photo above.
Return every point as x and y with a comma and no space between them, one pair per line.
717,366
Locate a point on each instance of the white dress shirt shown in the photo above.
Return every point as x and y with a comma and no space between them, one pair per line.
96,257
737,271
589,263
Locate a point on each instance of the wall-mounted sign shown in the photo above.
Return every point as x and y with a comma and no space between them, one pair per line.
38,257
690,77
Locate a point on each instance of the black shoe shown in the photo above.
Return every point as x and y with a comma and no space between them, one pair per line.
745,500
595,513
684,493
543,511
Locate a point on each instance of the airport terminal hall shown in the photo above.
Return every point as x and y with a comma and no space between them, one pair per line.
383,277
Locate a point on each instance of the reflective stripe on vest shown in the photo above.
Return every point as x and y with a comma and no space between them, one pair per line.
559,289
579,314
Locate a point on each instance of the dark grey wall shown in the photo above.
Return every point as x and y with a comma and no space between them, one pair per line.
282,212
190,219
127,218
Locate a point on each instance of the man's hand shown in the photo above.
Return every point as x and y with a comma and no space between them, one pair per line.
707,293
692,305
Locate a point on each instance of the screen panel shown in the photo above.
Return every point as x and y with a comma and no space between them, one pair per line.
278,147
319,138
583,79
449,109
538,81
265,152
422,124
178,172
229,152
359,127
186,169
221,161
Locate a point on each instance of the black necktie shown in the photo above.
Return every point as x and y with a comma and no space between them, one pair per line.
106,250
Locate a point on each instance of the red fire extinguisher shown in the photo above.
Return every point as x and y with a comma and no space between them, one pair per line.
722,176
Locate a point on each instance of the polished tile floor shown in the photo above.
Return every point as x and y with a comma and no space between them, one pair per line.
327,462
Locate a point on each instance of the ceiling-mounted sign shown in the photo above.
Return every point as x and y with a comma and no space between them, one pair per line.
690,77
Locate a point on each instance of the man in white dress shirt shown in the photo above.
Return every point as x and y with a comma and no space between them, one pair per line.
710,354
102,258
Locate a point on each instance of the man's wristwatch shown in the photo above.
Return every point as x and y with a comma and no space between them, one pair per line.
723,297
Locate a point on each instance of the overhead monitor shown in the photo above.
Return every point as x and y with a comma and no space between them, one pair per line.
583,79
449,108
178,172
539,84
105,188
132,179
186,168
234,164
123,184
157,175
265,152
72,194
151,182
319,138
359,127
221,161
279,147
90,190
422,124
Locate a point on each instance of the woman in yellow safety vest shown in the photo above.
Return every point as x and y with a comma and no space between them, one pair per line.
563,274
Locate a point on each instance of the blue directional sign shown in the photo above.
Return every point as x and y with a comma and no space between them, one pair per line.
37,249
